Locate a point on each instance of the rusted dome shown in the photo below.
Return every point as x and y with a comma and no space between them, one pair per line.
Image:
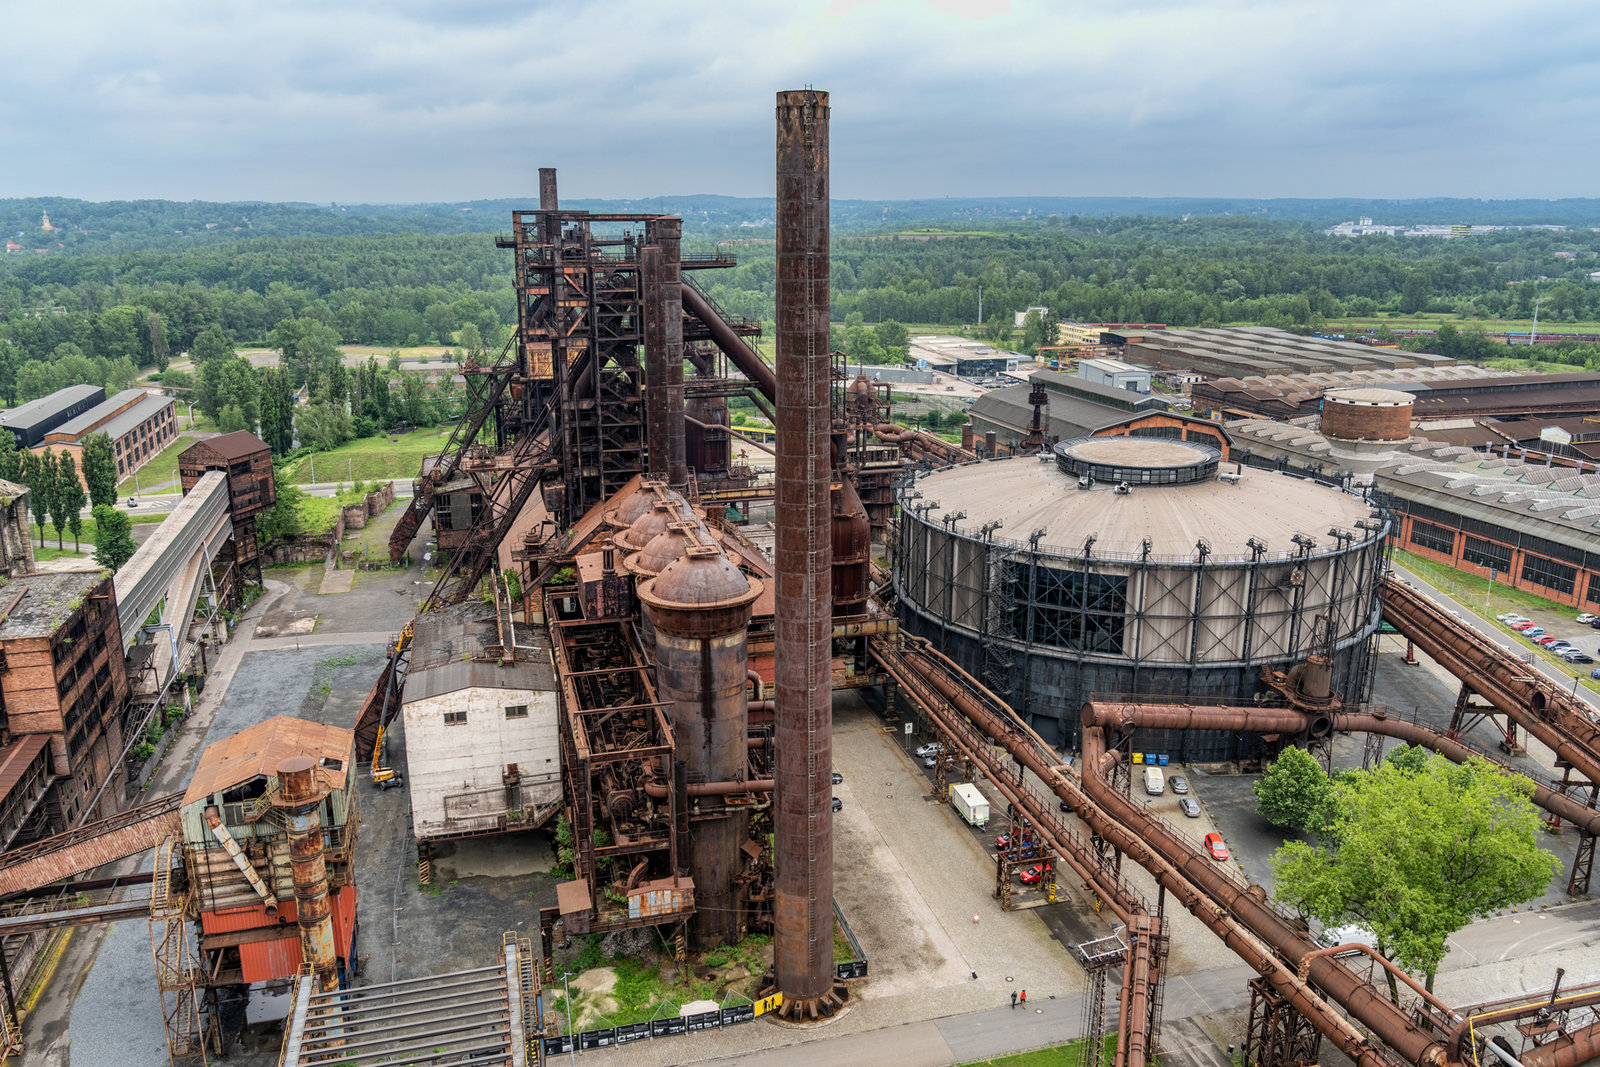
631,507
652,523
663,549
701,579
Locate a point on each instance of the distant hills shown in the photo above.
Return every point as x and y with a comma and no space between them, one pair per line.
129,225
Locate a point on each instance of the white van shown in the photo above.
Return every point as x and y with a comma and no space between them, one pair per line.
1155,783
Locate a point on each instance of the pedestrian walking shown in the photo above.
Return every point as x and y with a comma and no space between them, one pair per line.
1024,998
1013,1000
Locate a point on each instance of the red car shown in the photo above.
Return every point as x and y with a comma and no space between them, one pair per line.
1033,874
1214,845
1522,625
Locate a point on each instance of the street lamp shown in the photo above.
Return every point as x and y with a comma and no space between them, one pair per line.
294,624
566,996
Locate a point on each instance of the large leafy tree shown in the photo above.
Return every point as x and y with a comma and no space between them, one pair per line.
1415,856
1294,794
211,343
230,382
10,458
113,537
323,425
308,347
100,469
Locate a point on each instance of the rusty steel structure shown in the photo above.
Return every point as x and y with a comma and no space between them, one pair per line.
700,610
298,799
803,910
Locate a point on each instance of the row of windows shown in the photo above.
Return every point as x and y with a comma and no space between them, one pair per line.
1536,570
1481,553
459,718
1528,542
1431,536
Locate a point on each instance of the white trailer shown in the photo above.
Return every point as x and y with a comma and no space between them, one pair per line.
970,803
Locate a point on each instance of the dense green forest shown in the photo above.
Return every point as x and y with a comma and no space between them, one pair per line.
85,311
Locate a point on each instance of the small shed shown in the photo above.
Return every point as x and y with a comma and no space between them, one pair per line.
483,748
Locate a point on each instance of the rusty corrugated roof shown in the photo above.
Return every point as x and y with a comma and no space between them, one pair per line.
259,749
235,445
16,758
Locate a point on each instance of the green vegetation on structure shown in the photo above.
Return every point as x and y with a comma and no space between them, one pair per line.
649,985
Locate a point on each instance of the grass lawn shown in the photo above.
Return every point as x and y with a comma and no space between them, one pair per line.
160,474
1489,602
396,456
1068,1055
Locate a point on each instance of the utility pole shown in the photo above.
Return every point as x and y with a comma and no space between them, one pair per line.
980,305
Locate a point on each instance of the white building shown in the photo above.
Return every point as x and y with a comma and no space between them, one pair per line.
483,747
1115,373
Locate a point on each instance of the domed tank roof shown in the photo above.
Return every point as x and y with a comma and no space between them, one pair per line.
652,523
631,507
664,548
703,579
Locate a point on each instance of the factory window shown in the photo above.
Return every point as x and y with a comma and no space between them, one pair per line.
1594,589
1483,553
517,711
1437,538
1070,609
1536,570
455,718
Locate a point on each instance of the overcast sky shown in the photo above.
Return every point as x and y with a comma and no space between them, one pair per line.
409,100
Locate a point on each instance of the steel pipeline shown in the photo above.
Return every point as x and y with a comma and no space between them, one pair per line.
1532,701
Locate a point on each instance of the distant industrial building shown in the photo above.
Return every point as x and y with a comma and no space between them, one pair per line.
1293,396
961,357
1077,407
1243,351
139,423
1115,373
1531,526
30,422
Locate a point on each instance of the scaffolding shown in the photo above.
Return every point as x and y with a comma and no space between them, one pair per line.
1276,1034
1098,958
191,1030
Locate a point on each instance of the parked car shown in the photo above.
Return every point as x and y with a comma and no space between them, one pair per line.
1190,807
1585,617
1033,875
1507,616
1556,644
1002,842
1523,627
1179,784
1578,656
930,749
1595,673
838,805
1214,845
1533,631
1348,935
1546,640
1595,623
837,778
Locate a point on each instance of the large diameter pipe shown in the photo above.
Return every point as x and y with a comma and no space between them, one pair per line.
301,799
803,820
1242,921
1570,1050
1524,696
1578,814
732,345
1256,933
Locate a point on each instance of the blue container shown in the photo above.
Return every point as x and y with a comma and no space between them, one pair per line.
1161,760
